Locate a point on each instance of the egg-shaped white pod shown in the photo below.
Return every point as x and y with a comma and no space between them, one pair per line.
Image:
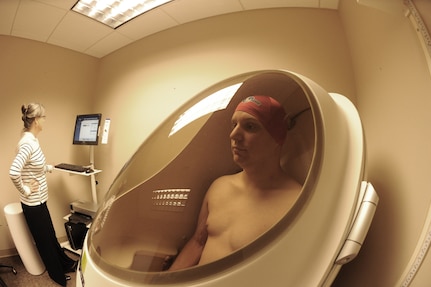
151,208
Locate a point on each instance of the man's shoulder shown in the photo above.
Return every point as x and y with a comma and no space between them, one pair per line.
223,184
227,179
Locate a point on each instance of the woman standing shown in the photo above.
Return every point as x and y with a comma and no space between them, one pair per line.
28,175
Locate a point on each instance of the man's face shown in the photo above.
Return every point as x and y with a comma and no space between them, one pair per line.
250,141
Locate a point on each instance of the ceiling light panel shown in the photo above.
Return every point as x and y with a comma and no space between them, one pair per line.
114,13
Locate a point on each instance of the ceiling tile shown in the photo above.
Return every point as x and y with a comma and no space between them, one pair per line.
259,4
52,21
78,32
108,44
185,11
8,9
329,4
36,20
149,23
63,4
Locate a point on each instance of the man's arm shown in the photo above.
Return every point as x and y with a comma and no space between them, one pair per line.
192,251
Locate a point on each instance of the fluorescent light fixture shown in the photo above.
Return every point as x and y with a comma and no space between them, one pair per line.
115,13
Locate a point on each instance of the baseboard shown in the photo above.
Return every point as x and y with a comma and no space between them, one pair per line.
13,251
8,252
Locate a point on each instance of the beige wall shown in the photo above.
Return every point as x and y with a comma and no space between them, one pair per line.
393,92
139,85
142,84
63,81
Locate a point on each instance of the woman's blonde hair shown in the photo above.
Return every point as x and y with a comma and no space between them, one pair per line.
30,112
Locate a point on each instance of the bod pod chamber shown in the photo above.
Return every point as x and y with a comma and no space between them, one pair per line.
151,208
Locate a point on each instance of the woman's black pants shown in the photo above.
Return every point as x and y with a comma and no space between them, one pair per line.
52,254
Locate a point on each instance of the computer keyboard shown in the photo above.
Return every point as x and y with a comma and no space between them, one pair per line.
71,167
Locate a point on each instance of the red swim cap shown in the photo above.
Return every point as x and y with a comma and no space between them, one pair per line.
269,113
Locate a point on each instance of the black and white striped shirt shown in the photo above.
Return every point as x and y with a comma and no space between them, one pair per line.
29,164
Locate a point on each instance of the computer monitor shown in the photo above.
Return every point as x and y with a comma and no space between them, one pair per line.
87,129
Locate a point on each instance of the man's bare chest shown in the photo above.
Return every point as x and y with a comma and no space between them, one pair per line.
238,223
